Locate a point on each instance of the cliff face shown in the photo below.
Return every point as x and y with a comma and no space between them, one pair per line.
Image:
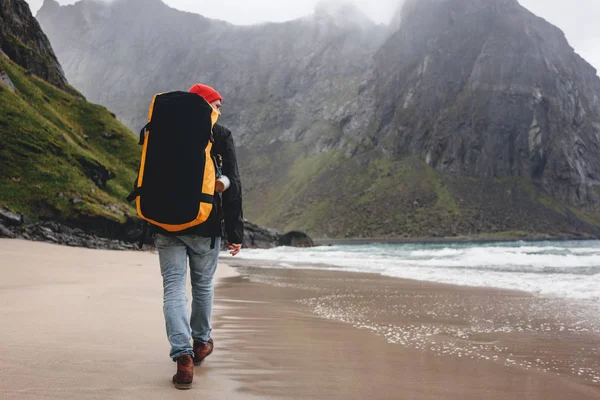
22,40
484,88
278,80
61,158
462,117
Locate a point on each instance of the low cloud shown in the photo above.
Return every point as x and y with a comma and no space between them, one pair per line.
577,18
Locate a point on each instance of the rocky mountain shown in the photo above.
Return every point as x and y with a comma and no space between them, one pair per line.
22,40
273,76
516,102
61,158
463,117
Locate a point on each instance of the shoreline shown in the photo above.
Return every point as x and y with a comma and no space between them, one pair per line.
64,236
568,270
452,240
464,342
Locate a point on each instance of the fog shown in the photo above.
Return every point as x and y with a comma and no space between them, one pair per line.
577,18
245,12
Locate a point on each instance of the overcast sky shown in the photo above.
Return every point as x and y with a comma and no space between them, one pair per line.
579,19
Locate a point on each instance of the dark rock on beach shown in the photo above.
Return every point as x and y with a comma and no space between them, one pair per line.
10,218
95,236
14,225
5,232
296,239
256,237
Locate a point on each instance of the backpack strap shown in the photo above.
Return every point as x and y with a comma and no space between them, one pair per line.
204,198
133,195
138,190
143,132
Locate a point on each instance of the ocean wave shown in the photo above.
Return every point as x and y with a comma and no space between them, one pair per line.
570,269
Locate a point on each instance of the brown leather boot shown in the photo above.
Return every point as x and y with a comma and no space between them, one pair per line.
185,373
202,350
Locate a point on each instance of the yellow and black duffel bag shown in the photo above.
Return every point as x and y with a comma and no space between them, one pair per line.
175,187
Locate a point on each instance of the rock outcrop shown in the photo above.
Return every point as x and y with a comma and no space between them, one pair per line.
14,225
256,237
22,40
5,80
296,239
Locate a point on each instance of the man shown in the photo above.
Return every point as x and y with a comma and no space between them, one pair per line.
201,245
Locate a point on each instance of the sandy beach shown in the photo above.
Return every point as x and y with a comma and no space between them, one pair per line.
88,324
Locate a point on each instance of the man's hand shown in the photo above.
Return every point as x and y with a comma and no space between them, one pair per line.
234,249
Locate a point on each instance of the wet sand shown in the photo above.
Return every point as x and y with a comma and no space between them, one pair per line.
323,334
87,324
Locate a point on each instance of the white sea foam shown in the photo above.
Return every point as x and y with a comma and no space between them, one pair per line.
566,269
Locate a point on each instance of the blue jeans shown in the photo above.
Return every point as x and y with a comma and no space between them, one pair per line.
173,253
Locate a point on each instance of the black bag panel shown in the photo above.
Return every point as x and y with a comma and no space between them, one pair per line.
178,134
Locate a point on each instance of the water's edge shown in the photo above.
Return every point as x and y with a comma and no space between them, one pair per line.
563,269
453,240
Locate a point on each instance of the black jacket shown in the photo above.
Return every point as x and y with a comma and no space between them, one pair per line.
232,212
227,215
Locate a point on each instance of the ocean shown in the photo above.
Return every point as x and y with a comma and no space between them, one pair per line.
568,269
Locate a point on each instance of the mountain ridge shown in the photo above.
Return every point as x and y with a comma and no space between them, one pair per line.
438,114
423,132
22,40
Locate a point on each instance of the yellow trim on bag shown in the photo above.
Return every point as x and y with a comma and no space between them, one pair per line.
151,110
143,161
210,174
203,215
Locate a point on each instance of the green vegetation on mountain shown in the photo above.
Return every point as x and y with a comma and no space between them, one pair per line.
372,196
61,157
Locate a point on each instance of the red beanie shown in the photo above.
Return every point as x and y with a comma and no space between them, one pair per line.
207,92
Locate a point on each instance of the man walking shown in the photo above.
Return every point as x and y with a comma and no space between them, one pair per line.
201,245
